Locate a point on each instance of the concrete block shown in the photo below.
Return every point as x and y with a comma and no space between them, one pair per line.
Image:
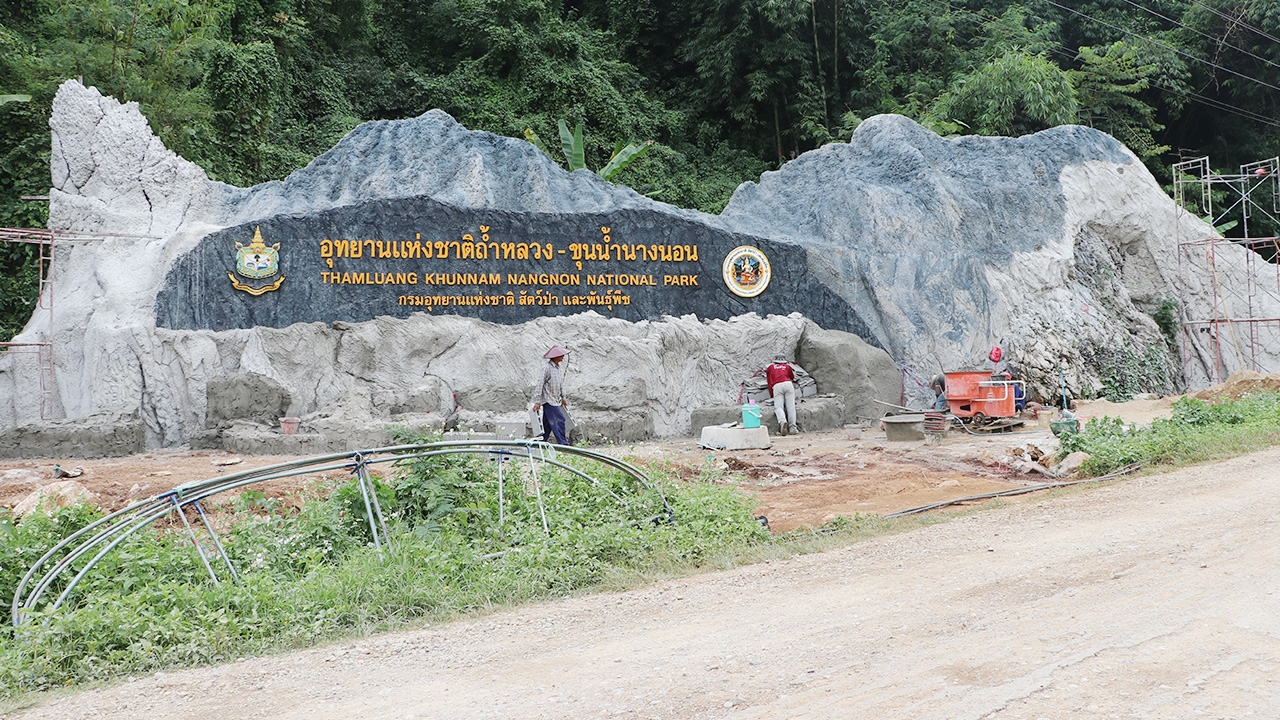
904,428
110,433
511,430
709,415
736,438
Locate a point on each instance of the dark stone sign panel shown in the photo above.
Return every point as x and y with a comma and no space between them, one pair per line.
397,257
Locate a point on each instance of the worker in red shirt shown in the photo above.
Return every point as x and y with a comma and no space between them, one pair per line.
782,388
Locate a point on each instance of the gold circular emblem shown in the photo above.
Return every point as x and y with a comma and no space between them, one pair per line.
746,271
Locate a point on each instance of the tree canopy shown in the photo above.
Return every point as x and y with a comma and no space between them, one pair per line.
723,89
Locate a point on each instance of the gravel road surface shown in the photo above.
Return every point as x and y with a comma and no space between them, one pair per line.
1154,597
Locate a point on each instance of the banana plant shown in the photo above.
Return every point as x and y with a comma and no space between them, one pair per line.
571,144
1224,227
623,155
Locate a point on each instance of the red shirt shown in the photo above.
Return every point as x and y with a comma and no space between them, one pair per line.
778,372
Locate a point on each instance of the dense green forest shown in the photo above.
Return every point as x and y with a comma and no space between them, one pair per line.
724,89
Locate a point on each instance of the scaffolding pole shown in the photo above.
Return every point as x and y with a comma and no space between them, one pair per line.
1239,326
43,352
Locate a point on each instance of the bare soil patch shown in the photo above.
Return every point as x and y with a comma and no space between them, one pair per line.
117,482
1141,412
1239,384
804,480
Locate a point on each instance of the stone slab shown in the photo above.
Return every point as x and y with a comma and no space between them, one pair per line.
723,438
111,433
658,264
813,414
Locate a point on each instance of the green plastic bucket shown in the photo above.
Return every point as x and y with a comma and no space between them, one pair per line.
750,416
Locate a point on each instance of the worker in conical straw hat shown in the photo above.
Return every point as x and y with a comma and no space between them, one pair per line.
548,396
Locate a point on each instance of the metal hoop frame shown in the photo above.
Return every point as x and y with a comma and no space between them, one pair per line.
107,533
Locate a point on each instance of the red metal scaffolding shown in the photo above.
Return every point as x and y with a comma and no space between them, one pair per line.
43,352
45,239
1239,328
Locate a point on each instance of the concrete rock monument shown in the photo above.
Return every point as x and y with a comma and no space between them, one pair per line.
414,274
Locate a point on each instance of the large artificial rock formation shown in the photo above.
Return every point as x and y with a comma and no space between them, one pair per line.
849,366
1056,245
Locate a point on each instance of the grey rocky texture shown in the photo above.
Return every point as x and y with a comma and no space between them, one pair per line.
851,368
321,437
504,398
245,396
1056,245
108,433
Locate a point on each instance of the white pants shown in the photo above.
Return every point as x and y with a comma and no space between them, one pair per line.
784,396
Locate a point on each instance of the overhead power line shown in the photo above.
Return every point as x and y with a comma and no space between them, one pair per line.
1071,56
1236,21
1164,45
1193,96
1201,33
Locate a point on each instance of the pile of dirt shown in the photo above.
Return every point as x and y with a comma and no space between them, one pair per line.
1239,384
1141,412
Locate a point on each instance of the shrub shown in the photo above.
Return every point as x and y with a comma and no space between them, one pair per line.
312,573
1196,431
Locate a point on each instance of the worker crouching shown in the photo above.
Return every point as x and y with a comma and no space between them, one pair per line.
781,378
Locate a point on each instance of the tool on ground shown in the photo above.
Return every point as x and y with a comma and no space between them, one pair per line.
1062,381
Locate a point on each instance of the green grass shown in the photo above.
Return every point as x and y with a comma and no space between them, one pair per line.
1196,432
311,576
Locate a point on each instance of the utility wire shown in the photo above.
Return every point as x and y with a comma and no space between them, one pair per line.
1202,34
1194,96
1164,45
1235,21
1214,103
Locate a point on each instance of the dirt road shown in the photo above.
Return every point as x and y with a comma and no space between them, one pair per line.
1154,597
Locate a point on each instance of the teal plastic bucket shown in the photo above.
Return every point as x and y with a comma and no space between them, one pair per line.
750,416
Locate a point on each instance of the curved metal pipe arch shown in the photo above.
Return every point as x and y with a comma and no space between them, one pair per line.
114,528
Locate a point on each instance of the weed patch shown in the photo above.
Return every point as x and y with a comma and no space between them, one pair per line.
311,574
1196,432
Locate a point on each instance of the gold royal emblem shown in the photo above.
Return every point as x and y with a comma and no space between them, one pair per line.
746,271
257,261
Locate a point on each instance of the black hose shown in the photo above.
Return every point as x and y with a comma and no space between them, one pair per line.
1016,491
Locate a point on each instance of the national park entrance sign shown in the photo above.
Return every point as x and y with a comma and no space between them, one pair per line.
401,256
